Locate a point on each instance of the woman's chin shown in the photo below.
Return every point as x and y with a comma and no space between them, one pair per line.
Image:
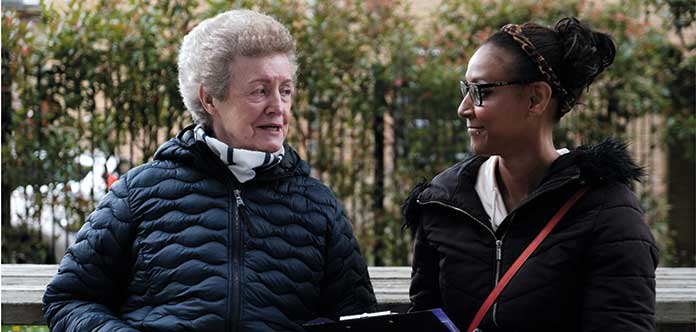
271,147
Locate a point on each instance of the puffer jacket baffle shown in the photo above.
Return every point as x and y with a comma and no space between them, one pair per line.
179,245
594,272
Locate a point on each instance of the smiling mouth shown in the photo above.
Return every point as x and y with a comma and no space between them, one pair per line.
475,131
271,128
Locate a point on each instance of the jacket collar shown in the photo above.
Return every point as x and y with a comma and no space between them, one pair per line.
455,187
186,149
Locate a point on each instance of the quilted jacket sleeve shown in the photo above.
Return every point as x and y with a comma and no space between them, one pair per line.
425,290
620,282
346,288
89,286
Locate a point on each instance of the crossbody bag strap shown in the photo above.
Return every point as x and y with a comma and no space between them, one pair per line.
523,258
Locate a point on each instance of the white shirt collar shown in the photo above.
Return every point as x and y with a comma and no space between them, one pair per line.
488,192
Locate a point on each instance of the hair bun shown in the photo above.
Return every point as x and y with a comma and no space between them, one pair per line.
586,53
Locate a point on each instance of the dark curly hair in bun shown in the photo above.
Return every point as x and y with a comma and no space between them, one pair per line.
575,53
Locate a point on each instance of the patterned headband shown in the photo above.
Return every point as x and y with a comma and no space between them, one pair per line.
515,31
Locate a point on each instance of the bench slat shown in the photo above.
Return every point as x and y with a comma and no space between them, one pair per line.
23,286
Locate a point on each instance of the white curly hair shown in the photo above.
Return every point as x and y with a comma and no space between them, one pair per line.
208,50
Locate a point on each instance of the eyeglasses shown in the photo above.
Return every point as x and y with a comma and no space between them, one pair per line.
476,90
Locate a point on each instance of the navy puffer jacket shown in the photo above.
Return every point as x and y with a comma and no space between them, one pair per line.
179,245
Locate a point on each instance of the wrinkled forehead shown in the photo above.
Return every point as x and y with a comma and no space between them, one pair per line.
489,63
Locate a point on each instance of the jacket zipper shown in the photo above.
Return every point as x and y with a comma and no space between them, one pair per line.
234,233
499,259
236,266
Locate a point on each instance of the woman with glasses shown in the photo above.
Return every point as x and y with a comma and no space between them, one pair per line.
595,270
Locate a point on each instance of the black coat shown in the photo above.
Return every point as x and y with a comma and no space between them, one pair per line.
179,245
594,272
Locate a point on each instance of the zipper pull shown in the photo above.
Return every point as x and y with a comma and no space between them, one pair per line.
498,250
238,197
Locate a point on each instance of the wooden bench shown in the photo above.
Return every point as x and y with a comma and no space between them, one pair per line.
23,286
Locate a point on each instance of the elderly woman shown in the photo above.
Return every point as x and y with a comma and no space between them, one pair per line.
477,222
224,230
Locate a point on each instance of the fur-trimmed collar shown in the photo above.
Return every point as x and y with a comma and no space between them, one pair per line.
608,161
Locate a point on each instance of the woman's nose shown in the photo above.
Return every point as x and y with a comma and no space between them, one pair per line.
275,104
466,108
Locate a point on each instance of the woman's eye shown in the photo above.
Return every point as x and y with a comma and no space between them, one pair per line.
260,92
484,92
286,91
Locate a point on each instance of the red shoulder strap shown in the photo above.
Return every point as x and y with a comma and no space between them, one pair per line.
522,258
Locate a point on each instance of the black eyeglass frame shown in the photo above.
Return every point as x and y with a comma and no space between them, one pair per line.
475,88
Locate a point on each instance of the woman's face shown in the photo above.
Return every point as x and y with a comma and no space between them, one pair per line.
256,112
499,126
